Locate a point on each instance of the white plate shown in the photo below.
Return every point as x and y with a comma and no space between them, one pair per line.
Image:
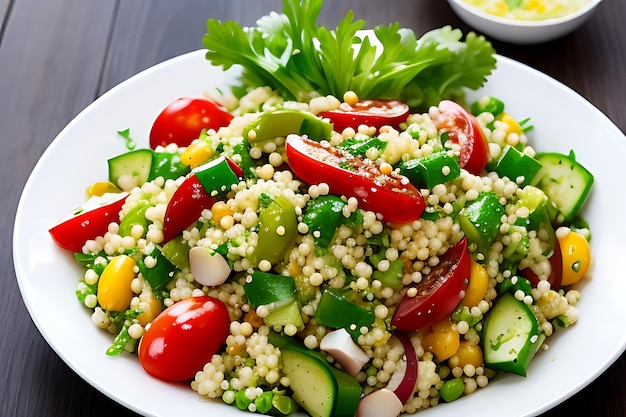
47,275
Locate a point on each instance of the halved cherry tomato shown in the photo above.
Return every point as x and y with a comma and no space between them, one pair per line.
438,293
576,254
89,221
392,196
185,207
556,272
463,129
376,113
184,337
182,121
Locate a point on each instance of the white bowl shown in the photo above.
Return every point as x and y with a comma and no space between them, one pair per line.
521,31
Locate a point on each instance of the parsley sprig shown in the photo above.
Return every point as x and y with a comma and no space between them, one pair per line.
295,56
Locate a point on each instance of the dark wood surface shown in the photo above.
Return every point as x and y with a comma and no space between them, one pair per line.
57,56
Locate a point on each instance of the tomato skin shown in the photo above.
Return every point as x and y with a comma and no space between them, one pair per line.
463,129
73,231
397,200
376,113
185,207
438,293
182,120
184,337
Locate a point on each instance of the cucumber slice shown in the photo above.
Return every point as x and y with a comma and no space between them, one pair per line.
132,167
511,336
313,384
565,181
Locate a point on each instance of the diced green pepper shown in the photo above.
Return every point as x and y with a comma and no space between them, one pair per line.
283,122
540,217
216,176
135,217
263,288
285,314
515,165
177,252
515,283
322,215
244,160
487,104
161,273
480,219
392,277
432,170
335,310
277,229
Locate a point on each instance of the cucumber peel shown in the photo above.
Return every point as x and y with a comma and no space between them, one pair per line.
565,181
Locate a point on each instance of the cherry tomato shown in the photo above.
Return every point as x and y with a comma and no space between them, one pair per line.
182,121
463,129
184,337
438,293
185,207
392,196
376,113
556,271
576,257
89,221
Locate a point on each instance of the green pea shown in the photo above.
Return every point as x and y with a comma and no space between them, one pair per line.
452,389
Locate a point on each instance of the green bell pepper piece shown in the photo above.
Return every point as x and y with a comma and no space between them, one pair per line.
263,288
161,273
488,104
283,122
514,164
438,168
277,229
335,310
322,215
177,252
480,220
135,217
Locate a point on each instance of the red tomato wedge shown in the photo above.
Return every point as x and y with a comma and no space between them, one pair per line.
464,130
376,113
438,293
182,121
89,221
185,207
392,196
184,337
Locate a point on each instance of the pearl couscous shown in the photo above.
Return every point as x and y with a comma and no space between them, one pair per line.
361,253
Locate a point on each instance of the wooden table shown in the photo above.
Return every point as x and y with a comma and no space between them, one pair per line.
57,56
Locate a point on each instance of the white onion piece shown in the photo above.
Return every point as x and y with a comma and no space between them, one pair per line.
207,267
380,403
342,348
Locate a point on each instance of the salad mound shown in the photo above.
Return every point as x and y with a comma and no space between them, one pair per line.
355,245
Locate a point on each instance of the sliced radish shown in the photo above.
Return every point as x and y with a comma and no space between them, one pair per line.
380,403
207,267
341,347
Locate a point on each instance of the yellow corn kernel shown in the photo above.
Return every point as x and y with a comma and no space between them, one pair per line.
514,126
101,187
443,341
196,153
477,286
469,354
219,210
149,310
114,285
